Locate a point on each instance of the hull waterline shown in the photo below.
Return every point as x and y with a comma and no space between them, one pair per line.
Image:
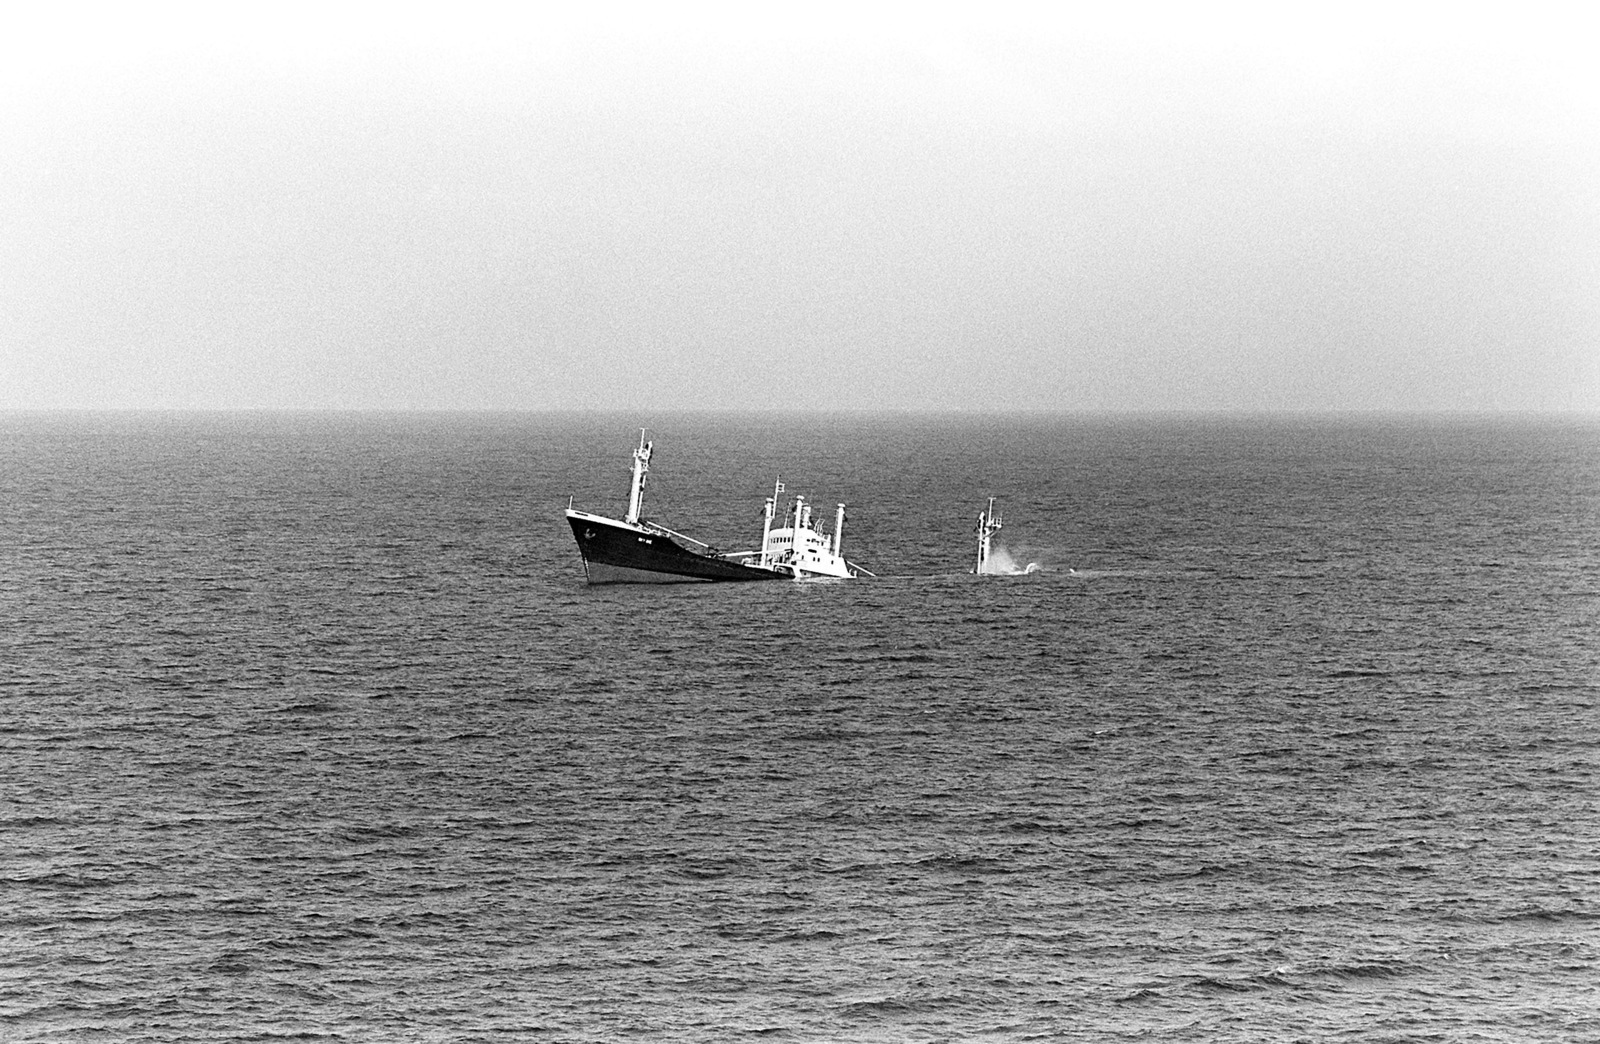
615,552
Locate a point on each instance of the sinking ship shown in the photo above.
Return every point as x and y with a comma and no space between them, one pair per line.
636,550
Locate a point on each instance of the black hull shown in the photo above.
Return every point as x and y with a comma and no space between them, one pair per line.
617,553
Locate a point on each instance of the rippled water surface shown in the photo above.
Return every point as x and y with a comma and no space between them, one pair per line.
309,728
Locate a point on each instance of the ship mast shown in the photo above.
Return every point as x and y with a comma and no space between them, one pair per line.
766,525
641,467
988,526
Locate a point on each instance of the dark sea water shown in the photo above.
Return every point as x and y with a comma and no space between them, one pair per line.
310,729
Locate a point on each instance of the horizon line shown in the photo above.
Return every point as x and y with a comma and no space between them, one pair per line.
950,411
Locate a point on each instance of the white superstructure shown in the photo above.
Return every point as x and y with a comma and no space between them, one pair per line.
796,545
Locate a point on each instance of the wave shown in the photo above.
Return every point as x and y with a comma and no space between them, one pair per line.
1141,995
1548,915
65,882
1299,977
31,822
810,935
877,1006
1365,970
1243,984
971,864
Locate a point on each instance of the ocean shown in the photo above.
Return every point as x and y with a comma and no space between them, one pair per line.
310,729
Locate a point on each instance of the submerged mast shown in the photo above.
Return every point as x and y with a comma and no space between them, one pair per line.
641,467
988,526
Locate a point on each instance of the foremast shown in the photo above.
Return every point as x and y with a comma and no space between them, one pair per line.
641,468
988,526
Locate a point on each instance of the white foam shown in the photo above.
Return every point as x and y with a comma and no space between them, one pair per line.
1000,563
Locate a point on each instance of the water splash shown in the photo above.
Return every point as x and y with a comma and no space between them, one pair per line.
1000,563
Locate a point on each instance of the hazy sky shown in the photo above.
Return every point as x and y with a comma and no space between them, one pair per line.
959,207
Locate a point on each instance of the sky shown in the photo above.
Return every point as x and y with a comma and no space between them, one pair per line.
1196,207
